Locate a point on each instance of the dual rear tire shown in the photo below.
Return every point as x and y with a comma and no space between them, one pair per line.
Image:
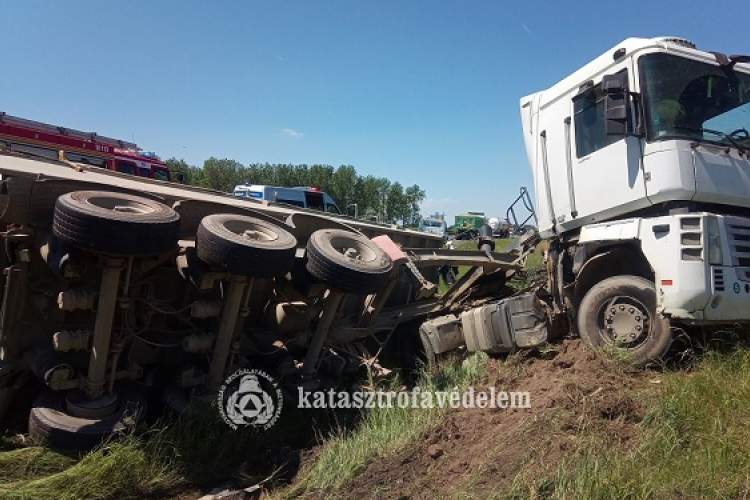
117,224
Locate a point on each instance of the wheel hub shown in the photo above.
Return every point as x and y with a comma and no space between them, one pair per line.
353,250
257,235
624,323
351,253
120,205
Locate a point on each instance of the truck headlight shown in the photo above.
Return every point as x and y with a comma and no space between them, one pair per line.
713,241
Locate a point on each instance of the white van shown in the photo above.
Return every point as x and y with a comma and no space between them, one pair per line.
305,197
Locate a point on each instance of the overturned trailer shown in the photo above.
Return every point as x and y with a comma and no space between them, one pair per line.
113,285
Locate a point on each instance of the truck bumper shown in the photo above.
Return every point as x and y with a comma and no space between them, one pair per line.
709,280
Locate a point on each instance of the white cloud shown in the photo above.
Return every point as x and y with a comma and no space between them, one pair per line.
293,133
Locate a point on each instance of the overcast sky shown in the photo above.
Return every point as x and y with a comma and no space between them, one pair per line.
420,92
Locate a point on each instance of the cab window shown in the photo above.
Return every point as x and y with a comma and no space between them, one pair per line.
127,167
161,174
88,160
588,112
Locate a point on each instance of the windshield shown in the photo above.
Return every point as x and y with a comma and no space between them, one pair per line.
695,100
432,223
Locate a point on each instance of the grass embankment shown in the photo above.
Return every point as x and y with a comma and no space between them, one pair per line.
694,442
383,431
204,450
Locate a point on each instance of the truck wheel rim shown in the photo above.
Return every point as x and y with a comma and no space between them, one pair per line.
250,231
353,249
624,321
120,205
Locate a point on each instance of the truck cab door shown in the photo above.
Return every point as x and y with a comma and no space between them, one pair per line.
605,163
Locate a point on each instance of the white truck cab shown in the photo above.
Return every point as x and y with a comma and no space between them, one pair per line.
641,167
434,225
305,197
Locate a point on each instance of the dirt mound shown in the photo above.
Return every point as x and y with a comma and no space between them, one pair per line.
574,394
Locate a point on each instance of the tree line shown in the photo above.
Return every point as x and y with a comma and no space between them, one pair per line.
374,197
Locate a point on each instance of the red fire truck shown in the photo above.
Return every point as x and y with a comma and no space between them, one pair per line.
61,143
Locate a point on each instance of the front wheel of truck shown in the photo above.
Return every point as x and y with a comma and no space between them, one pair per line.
620,312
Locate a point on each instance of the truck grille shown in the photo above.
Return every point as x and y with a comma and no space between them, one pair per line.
718,279
738,233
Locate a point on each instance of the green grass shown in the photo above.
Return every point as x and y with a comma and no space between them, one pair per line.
124,469
150,461
695,443
383,431
23,463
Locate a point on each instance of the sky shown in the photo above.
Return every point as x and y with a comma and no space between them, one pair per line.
416,91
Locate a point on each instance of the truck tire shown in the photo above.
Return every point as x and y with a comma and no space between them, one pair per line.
244,245
621,312
49,422
115,223
347,261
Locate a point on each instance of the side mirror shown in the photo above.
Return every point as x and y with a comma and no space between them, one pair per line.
615,105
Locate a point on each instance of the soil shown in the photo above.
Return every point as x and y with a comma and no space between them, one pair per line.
575,395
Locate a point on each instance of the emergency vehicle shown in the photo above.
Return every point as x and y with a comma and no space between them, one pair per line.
61,143
305,197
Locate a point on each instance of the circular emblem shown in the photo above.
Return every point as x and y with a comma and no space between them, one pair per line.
250,397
